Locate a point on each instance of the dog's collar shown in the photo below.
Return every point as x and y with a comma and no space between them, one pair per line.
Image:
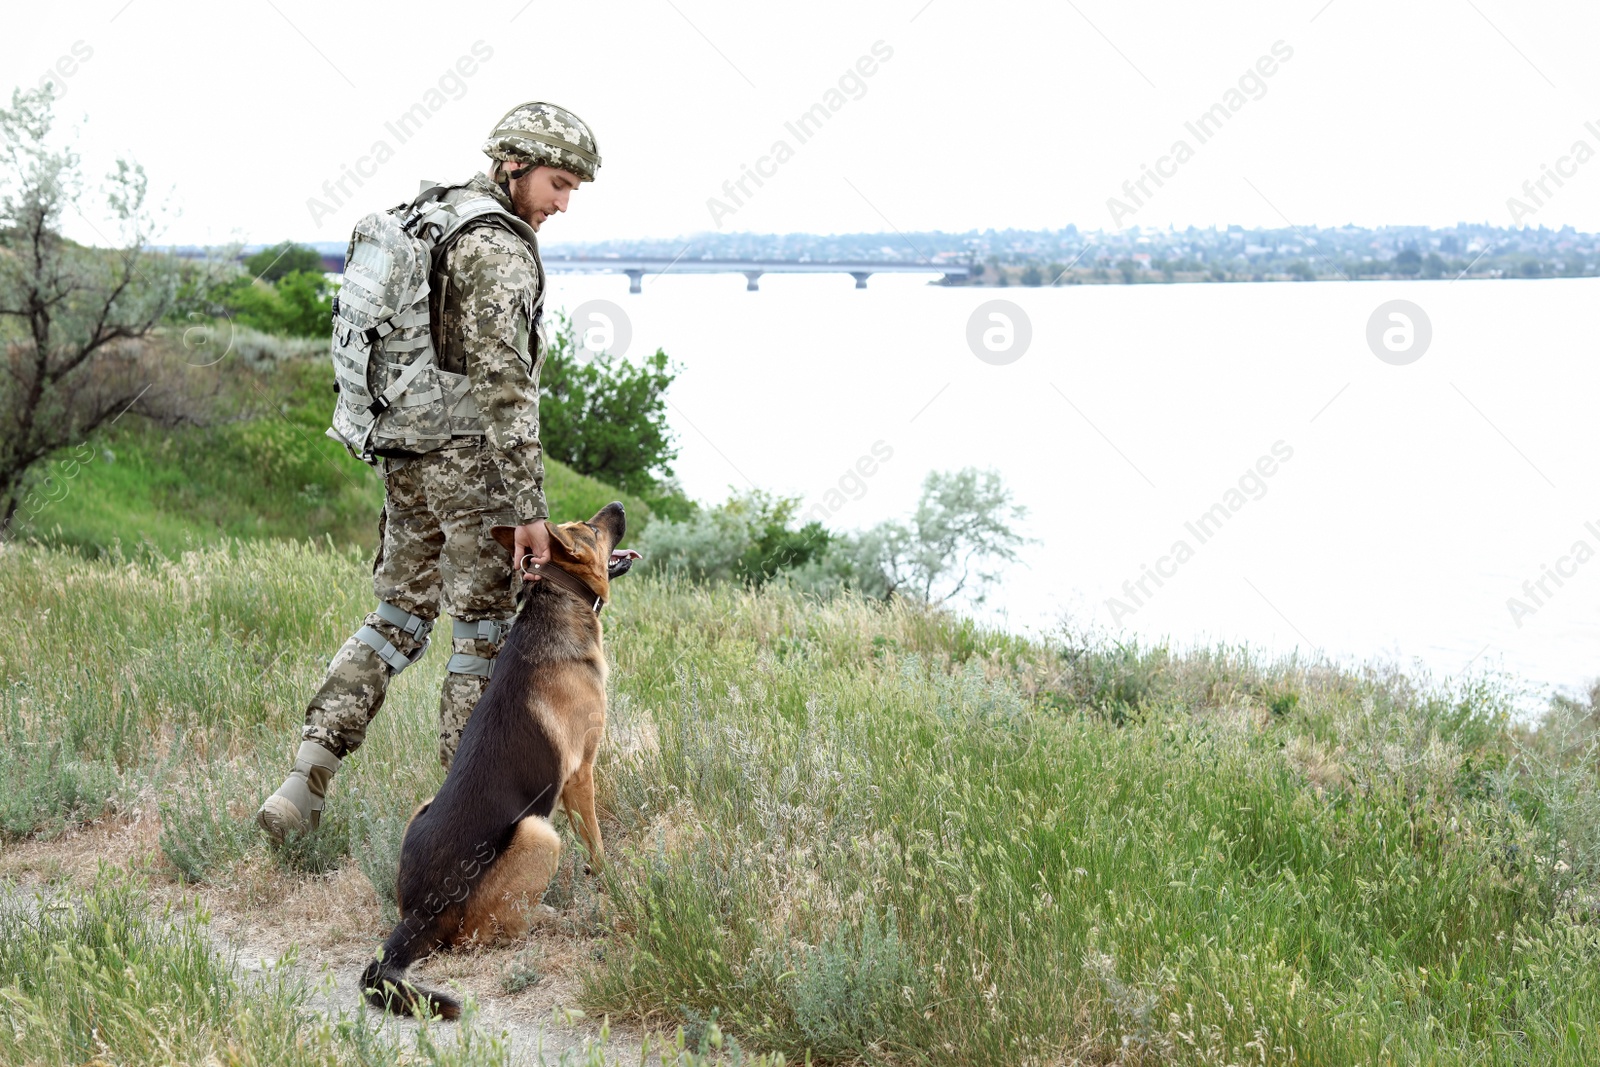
570,582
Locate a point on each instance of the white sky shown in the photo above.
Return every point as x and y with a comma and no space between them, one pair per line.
987,115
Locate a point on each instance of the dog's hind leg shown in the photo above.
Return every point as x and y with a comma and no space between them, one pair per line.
578,798
502,904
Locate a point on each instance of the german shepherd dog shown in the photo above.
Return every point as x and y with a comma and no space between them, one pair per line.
477,857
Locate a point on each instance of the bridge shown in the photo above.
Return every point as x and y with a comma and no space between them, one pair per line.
636,268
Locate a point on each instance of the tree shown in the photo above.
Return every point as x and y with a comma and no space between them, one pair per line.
606,417
1032,276
73,319
299,305
307,300
271,264
963,528
750,538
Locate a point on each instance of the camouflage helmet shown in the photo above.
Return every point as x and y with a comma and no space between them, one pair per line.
537,134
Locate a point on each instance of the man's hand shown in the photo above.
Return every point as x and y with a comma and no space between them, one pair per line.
532,546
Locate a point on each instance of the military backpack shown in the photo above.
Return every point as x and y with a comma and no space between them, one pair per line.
394,399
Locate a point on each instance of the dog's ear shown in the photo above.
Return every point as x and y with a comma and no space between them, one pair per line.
563,538
506,535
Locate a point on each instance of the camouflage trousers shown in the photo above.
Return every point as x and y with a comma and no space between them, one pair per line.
434,552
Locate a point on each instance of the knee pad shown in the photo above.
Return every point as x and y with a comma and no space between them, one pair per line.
491,630
414,625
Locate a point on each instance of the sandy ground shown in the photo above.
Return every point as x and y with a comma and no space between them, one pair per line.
331,925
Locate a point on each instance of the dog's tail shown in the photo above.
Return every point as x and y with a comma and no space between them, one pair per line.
385,986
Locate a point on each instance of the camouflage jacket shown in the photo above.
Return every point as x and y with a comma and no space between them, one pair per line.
485,311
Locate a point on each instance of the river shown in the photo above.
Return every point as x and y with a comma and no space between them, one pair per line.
1201,464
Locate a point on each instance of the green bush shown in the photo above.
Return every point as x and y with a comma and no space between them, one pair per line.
521,974
604,416
266,350
200,834
46,789
853,989
299,304
64,750
749,539
271,264
964,524
318,851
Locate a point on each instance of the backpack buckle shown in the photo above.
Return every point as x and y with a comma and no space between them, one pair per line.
373,334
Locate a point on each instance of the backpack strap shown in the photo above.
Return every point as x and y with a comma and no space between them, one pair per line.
403,382
478,207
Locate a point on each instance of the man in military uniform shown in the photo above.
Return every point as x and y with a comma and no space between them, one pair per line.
435,549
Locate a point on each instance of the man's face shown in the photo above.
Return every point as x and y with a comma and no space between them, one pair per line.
541,193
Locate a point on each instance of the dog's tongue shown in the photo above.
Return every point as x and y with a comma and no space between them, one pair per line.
621,560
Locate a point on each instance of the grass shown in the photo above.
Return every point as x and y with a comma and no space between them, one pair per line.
262,469
876,833
909,857
102,977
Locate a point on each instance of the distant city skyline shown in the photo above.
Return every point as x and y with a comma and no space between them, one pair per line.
1069,256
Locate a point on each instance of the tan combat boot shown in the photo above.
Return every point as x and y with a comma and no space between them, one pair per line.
298,803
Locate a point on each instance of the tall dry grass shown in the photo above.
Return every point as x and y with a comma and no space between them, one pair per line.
875,833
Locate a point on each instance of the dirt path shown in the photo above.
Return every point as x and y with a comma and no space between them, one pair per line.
330,926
